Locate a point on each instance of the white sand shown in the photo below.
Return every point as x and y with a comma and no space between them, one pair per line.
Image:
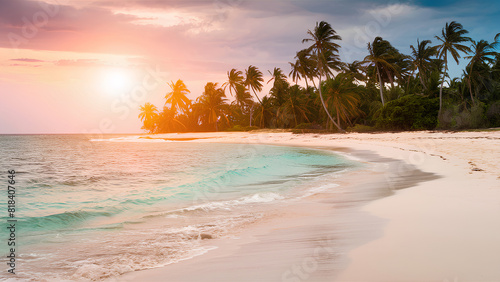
446,228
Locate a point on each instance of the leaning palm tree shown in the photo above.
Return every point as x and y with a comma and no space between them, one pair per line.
452,39
254,80
324,52
421,58
483,53
177,97
234,78
380,55
148,116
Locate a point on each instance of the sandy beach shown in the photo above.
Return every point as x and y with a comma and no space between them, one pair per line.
425,208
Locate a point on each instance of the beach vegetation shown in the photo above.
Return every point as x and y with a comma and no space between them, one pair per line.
148,115
410,112
386,91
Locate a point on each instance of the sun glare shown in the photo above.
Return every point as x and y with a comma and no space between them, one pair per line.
116,81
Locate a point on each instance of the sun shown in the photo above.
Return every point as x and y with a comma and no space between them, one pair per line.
116,81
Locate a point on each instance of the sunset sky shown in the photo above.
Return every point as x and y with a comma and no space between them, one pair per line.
80,66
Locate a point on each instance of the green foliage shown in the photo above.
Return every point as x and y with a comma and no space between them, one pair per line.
433,82
456,117
411,112
493,114
339,94
394,93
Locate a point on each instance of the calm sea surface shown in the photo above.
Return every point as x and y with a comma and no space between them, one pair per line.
92,209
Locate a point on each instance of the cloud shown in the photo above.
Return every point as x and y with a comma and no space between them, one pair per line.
208,35
28,60
79,63
158,4
24,65
37,25
200,40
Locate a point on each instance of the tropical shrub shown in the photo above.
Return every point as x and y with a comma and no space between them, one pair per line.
410,112
459,117
493,114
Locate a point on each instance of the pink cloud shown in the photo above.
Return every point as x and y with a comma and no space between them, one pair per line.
27,60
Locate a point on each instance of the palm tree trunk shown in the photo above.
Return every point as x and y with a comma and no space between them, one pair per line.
408,82
324,107
251,113
441,96
338,115
258,99
470,84
441,88
380,85
470,90
293,110
263,121
422,80
255,94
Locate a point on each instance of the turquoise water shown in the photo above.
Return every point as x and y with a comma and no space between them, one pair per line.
92,209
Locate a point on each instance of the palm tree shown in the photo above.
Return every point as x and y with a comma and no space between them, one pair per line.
295,73
242,97
212,104
177,97
296,106
254,80
302,68
380,54
355,69
278,76
495,69
168,122
280,86
483,53
324,51
422,61
234,78
341,94
452,37
264,111
458,88
149,114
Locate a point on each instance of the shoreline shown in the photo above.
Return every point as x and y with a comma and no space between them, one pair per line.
390,252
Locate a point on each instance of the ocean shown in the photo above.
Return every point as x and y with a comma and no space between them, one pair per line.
90,209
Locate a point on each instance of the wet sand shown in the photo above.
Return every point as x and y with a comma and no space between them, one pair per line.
425,209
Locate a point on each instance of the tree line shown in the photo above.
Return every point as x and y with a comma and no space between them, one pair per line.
388,90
